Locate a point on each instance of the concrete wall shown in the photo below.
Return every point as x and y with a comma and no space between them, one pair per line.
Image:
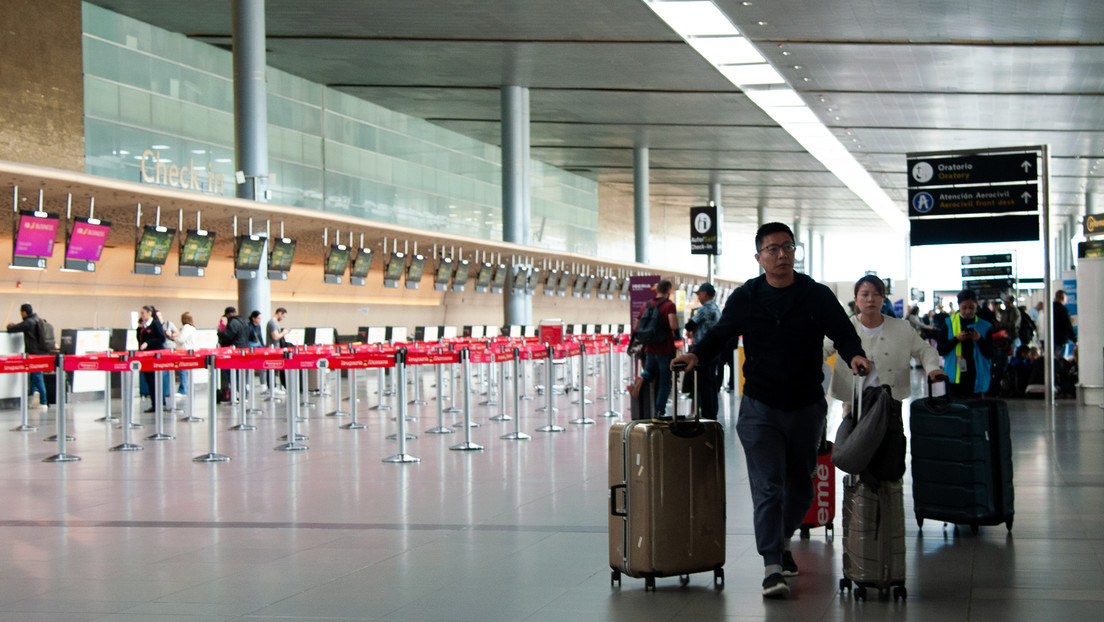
42,94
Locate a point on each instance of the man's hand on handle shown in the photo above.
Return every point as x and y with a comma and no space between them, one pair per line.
690,359
860,366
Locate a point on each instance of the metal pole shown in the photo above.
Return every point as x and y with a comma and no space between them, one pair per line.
337,412
550,405
107,402
128,410
402,457
417,401
353,423
583,419
304,392
641,214
503,416
526,369
609,385
252,409
293,404
441,427
191,418
516,435
453,408
212,406
61,456
24,426
379,393
242,426
467,445
158,408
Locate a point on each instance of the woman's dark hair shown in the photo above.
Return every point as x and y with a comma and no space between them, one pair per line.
878,284
149,308
254,314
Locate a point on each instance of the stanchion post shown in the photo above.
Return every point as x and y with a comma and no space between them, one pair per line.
24,425
293,404
158,407
242,425
550,406
252,409
465,367
441,427
212,406
582,419
191,418
610,385
128,408
526,369
417,401
453,408
400,370
61,455
337,412
516,435
353,423
503,416
107,400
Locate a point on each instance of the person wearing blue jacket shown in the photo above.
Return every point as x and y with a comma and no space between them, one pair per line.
966,346
784,317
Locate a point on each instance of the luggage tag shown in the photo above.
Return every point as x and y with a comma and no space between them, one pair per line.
962,364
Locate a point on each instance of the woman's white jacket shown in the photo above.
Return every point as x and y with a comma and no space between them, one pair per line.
891,352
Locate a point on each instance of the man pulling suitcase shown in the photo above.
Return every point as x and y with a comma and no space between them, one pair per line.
783,317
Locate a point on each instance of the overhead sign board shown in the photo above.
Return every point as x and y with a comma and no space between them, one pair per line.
705,230
979,200
973,169
989,288
1093,224
988,271
970,260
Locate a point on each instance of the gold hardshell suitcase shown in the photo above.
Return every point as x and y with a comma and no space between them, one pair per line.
667,500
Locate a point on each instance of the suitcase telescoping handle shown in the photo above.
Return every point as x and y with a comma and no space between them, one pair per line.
677,368
613,500
856,393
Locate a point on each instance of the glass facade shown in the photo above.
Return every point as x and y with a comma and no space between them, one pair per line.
159,109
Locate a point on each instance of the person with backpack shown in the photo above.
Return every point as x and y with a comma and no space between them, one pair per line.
655,330
34,336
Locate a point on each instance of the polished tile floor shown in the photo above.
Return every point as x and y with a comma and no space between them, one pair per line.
514,532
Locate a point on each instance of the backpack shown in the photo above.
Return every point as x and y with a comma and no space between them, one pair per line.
651,329
47,342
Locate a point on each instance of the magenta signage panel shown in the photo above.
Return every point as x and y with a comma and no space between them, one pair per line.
35,236
86,243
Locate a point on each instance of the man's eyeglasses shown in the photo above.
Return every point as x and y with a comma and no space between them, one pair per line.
774,249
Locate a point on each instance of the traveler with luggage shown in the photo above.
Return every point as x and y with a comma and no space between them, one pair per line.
32,338
889,343
709,374
783,317
967,349
655,329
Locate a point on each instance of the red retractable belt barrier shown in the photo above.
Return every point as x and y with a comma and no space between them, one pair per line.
361,360
432,358
533,353
33,363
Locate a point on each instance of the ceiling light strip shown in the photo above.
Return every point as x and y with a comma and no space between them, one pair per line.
707,29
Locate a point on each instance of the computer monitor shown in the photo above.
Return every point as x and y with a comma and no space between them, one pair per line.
376,334
396,334
625,283
521,277
280,258
532,281
483,277
448,332
249,252
195,252
443,274
460,278
498,281
396,263
337,261
86,243
430,333
550,281
360,266
561,286
414,271
154,244
34,239
516,330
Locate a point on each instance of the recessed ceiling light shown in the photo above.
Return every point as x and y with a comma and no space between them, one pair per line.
786,53
762,23
798,67
807,79
746,3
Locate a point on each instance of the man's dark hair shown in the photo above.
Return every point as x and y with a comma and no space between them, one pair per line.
26,308
967,294
769,228
280,310
878,284
229,310
664,287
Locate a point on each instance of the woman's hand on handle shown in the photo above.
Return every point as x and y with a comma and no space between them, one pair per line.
690,359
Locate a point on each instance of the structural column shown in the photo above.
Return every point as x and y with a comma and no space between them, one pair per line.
641,225
250,131
517,305
715,199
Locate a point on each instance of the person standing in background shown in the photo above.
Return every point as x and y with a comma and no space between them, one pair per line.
31,345
709,373
151,336
277,339
966,346
184,339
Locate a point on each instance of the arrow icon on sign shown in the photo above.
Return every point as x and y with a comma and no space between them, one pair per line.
1026,166
1026,196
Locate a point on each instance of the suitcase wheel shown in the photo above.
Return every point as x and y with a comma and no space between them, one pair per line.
974,528
860,593
804,533
899,591
1008,523
684,580
829,532
845,584
718,579
615,577
920,522
649,584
